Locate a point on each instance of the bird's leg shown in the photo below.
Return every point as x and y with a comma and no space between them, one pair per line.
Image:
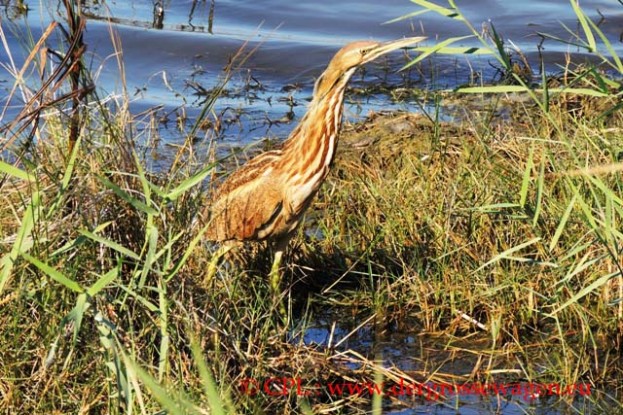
275,272
216,259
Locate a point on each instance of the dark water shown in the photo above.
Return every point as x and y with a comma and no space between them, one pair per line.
195,40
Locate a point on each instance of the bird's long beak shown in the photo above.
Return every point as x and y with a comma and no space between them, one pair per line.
385,47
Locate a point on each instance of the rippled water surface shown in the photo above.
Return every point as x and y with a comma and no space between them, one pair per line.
168,60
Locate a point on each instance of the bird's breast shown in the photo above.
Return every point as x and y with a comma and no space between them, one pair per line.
302,191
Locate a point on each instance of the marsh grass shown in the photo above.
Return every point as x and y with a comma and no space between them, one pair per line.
499,234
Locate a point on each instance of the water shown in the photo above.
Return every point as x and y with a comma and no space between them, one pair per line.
268,94
294,41
451,389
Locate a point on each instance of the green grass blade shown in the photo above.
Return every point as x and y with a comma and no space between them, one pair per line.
150,258
588,33
494,89
579,266
585,291
216,404
406,16
22,243
189,183
546,89
578,91
617,61
433,49
71,164
148,304
110,244
67,175
54,274
191,246
453,50
165,340
525,181
605,189
116,369
104,281
145,184
508,252
586,209
561,225
167,247
76,315
15,172
505,89
609,223
137,204
377,398
579,44
495,207
444,11
76,242
503,55
173,405
538,204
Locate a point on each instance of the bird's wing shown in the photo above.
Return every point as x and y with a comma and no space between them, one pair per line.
247,211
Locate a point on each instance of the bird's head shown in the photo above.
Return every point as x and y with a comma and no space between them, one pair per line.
355,54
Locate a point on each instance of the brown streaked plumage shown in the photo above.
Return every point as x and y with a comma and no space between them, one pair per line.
266,198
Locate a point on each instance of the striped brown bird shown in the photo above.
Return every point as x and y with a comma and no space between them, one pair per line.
265,199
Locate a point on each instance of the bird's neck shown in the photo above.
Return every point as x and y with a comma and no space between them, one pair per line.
314,141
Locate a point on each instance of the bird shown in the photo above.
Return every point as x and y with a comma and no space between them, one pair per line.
266,197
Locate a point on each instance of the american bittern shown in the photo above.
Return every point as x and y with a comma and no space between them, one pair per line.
265,199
